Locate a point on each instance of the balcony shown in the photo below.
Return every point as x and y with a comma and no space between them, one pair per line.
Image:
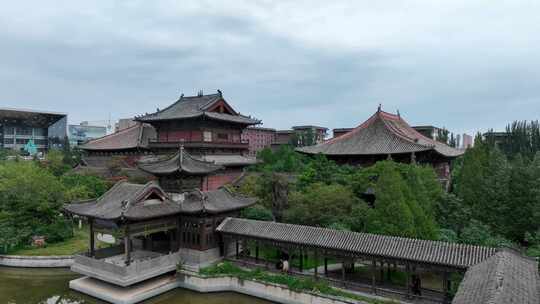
109,265
240,144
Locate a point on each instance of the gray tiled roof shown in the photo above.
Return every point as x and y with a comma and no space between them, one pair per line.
182,161
196,106
133,202
127,200
136,136
507,277
383,133
216,201
363,244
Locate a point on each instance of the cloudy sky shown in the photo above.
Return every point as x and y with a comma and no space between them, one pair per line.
463,64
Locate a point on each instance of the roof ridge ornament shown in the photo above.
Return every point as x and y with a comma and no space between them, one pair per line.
379,108
220,93
200,93
398,115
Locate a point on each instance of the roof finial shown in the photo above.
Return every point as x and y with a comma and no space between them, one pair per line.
398,115
181,96
200,93
379,108
220,93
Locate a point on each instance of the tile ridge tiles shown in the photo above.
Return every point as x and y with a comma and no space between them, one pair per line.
113,134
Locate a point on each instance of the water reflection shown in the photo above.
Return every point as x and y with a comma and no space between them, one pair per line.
50,286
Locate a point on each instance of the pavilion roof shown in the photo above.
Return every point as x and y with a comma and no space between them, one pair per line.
181,162
127,201
136,136
139,202
198,106
215,201
383,133
506,277
439,253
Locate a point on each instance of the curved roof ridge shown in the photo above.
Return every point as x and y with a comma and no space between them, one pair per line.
398,132
211,101
382,133
354,130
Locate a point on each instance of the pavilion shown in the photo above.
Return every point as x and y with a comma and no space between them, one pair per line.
383,136
154,230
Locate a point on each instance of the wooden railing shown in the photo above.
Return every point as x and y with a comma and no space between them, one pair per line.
436,297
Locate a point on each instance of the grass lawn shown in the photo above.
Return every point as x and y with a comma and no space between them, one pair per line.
78,243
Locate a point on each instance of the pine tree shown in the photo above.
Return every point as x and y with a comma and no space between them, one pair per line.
492,209
421,202
471,175
391,215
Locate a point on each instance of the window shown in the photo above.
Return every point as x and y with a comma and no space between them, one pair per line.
207,136
24,131
8,141
9,130
22,141
40,132
223,136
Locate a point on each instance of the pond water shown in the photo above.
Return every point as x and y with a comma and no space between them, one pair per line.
50,286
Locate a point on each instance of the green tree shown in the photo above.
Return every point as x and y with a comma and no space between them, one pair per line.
55,162
321,205
391,214
285,159
79,187
30,203
468,184
257,212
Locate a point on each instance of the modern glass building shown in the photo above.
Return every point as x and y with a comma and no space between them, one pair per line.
79,134
44,129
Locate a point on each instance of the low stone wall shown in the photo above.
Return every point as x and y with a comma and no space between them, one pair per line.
194,281
52,261
268,291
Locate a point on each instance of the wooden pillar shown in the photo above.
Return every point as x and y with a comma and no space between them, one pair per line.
237,249
325,266
301,257
171,240
382,272
446,286
91,245
127,246
316,256
257,252
343,271
373,270
408,280
178,234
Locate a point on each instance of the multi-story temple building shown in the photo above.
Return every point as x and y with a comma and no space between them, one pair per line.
385,135
207,126
158,224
